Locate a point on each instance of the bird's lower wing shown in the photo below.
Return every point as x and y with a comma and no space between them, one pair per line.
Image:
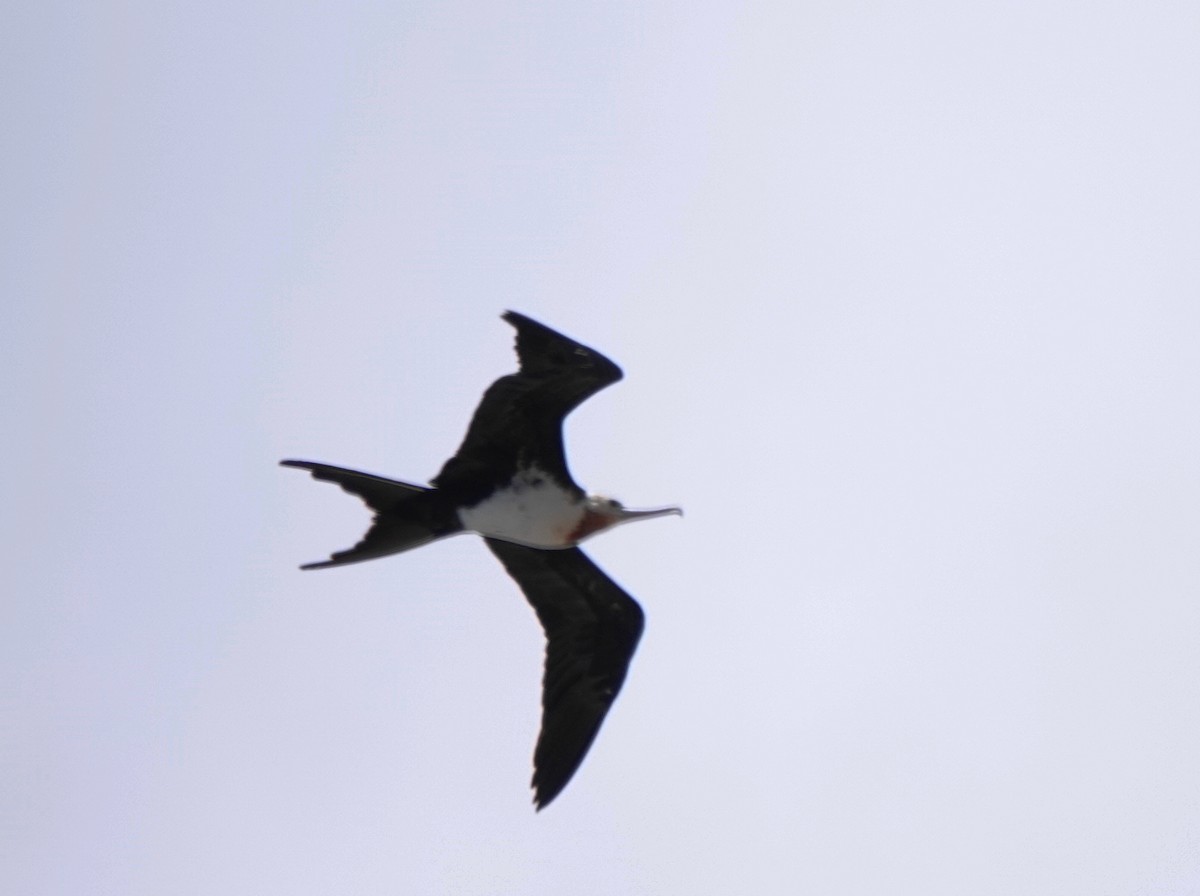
592,629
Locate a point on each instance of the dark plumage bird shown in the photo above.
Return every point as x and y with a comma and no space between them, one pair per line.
509,482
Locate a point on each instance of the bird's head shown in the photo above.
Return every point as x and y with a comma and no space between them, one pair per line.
600,513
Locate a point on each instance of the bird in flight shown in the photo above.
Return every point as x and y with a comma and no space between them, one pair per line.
509,482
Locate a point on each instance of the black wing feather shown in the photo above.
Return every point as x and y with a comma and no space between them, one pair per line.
519,420
592,630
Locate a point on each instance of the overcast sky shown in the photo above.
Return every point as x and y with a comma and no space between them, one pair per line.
908,301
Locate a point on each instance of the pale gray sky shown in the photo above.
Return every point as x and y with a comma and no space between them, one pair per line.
908,299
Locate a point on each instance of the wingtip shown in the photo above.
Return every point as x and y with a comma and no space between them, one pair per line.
523,321
516,318
542,797
545,792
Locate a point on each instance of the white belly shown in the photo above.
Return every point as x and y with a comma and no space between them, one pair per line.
533,511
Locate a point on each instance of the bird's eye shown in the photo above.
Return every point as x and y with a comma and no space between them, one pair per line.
615,505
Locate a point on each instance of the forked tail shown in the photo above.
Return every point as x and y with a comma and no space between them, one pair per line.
406,515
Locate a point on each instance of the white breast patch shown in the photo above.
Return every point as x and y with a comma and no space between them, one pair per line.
532,510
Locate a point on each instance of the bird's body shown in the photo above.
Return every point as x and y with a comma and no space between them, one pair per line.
531,510
509,482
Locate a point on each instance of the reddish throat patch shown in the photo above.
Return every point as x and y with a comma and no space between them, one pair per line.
591,523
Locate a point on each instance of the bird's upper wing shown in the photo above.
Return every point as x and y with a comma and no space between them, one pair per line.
592,629
519,420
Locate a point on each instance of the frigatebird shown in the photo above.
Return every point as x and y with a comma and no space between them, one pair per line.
509,482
